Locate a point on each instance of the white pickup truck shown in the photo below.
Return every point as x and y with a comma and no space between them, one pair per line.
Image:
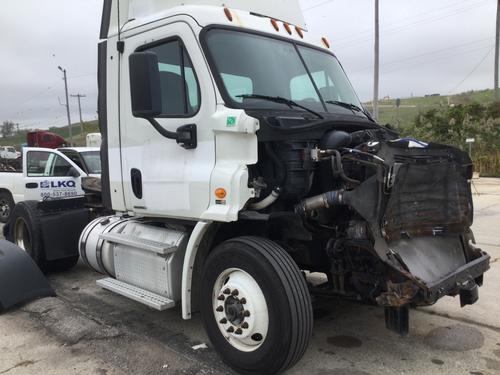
47,174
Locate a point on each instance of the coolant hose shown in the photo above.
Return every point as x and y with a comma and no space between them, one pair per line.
326,200
267,201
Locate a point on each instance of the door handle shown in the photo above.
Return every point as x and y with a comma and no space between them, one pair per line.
136,179
31,185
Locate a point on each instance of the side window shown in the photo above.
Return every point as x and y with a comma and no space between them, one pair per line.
75,158
179,86
46,164
37,163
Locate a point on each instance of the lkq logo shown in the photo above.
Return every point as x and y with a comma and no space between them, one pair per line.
57,184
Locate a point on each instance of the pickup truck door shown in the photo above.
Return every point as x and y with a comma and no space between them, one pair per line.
48,174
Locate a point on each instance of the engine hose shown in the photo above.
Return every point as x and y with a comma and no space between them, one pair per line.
326,200
338,169
267,201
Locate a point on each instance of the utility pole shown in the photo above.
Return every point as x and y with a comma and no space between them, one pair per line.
79,96
377,61
497,52
67,105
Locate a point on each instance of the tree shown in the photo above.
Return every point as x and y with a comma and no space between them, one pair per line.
7,128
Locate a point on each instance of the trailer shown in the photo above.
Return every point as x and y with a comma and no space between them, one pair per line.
237,160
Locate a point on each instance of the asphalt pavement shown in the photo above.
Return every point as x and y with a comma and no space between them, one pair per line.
86,330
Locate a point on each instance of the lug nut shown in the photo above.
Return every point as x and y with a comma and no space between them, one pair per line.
238,331
221,297
246,313
230,329
244,325
243,301
219,309
235,292
223,321
227,291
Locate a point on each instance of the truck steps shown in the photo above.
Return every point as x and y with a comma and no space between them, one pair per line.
139,243
143,296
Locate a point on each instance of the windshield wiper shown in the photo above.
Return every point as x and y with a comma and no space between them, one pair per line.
278,99
353,107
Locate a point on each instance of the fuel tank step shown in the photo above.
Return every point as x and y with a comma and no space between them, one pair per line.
140,243
145,297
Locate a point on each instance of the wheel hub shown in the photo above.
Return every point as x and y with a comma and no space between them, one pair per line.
240,309
234,310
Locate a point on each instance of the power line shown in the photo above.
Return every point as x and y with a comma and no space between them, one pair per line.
392,31
317,5
473,70
428,54
370,31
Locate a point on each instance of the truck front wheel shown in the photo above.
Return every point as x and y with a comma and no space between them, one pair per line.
256,306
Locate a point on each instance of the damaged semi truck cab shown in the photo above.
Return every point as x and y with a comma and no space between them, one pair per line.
240,163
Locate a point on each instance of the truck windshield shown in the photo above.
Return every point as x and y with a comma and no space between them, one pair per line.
249,64
92,160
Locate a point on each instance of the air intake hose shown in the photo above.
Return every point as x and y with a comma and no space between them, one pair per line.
326,200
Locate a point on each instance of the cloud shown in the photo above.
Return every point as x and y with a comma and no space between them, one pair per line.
426,47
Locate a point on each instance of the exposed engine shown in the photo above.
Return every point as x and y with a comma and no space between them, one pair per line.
386,219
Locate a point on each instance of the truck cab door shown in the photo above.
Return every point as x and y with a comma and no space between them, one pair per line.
160,177
48,174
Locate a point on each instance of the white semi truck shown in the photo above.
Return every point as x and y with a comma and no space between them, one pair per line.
237,162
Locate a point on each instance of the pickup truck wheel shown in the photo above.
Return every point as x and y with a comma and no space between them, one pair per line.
25,231
6,206
255,305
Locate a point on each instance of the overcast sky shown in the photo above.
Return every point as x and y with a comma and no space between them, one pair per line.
427,46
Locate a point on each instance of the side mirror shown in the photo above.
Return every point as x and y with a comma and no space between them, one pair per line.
145,86
73,172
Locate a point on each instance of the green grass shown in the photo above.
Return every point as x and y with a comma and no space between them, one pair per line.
78,138
411,107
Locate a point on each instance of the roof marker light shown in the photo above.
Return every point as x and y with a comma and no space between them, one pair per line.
228,14
299,31
275,24
287,28
325,41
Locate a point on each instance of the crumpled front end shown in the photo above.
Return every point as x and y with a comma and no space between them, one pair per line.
426,224
416,204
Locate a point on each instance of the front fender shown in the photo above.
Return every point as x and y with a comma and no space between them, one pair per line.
20,278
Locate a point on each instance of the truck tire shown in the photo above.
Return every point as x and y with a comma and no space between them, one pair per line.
6,206
255,305
24,230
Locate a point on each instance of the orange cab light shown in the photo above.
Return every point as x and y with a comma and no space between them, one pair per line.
228,14
288,28
326,43
275,24
299,31
220,193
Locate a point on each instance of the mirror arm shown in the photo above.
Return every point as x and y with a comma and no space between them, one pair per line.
160,129
186,135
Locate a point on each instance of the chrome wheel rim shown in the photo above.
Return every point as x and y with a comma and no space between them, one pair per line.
22,235
4,208
240,310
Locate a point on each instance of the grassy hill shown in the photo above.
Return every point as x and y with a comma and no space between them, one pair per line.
78,138
411,107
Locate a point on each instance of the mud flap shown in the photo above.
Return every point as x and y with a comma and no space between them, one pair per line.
20,278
